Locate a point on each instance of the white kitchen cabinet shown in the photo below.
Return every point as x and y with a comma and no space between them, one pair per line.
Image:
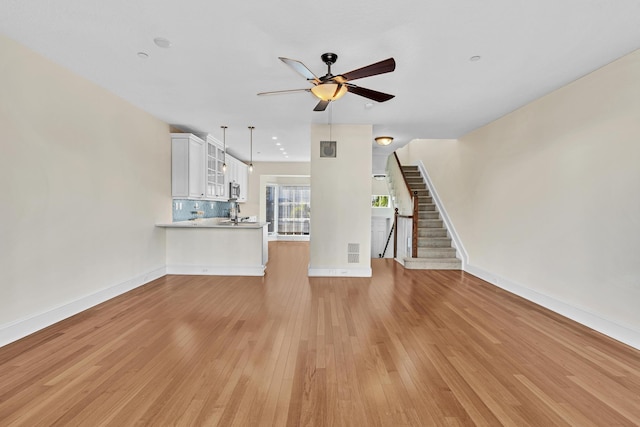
187,166
238,172
230,176
215,177
197,173
243,180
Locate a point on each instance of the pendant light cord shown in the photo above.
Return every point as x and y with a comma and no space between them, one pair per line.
251,128
224,149
330,120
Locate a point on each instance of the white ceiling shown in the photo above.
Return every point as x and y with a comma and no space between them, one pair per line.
224,52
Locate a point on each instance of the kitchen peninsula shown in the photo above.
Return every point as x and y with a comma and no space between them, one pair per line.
214,247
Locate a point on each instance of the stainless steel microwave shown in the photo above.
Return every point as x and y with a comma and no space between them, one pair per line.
234,190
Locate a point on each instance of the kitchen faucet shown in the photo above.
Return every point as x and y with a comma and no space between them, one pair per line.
234,211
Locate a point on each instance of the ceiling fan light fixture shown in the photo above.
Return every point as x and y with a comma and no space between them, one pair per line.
384,140
329,91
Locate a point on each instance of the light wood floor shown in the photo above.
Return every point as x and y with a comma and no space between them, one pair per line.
404,348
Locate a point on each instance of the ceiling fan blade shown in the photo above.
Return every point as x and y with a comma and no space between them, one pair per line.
301,69
281,92
386,66
322,105
369,93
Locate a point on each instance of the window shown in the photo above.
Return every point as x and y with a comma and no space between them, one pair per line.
288,209
379,201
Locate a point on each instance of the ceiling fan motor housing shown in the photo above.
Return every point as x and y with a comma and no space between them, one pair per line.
329,58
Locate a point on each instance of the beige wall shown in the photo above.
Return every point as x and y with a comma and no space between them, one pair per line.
547,198
84,177
340,200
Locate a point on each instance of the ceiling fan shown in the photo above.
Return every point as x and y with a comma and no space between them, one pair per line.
330,88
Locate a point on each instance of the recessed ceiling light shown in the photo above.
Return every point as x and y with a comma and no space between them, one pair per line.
274,137
286,157
285,153
368,105
142,55
162,42
281,148
475,58
277,143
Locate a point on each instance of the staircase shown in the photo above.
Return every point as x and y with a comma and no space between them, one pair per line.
434,244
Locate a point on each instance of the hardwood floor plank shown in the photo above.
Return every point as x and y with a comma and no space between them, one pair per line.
402,348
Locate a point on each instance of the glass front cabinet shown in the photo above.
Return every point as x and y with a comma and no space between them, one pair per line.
215,183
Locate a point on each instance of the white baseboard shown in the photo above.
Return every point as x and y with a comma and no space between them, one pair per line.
289,238
614,330
20,328
217,270
339,272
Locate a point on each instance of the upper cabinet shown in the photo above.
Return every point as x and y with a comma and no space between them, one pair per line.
243,180
196,169
187,166
215,182
238,173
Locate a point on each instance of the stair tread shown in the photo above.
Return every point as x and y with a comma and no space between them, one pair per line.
433,263
430,253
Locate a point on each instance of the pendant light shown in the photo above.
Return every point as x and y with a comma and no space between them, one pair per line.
251,128
224,150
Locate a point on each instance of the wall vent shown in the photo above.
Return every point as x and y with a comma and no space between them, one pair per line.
353,253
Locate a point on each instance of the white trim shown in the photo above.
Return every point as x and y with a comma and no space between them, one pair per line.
457,242
339,272
217,270
288,237
13,331
624,334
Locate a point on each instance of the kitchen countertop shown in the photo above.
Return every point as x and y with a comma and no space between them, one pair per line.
212,223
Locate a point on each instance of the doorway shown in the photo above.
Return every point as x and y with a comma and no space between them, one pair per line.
288,211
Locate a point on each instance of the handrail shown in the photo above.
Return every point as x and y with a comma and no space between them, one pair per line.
404,177
401,194
414,224
395,234
384,251
414,214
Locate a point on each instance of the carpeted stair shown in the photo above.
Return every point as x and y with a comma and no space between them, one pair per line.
434,244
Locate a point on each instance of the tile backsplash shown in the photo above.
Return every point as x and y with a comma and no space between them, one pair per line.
184,210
